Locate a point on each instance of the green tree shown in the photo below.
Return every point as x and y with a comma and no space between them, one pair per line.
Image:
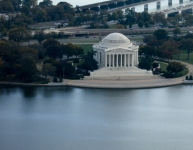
160,34
177,31
159,18
64,67
15,34
69,49
187,44
45,3
40,36
49,42
40,49
189,35
146,16
89,62
140,24
54,51
146,24
16,4
148,50
166,55
148,39
78,51
145,64
26,36
48,69
26,70
170,48
189,20
40,16
29,3
155,65
175,67
6,5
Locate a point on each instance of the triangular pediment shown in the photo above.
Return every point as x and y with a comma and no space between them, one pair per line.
119,49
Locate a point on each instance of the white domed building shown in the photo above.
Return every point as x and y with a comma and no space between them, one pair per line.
117,56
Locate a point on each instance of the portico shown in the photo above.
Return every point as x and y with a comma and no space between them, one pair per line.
116,56
119,60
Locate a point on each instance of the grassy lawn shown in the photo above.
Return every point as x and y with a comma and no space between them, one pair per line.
80,41
86,47
136,39
184,57
112,26
163,66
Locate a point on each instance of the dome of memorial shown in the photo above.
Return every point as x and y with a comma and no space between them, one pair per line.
115,38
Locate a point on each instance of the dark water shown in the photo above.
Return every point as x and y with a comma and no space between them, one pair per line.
59,118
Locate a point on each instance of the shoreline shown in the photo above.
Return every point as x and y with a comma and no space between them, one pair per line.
30,84
111,84
129,83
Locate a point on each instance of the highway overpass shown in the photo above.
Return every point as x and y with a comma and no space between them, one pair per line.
151,6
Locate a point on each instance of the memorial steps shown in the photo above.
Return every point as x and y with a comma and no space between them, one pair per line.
120,73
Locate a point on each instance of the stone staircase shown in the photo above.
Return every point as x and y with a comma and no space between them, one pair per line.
120,72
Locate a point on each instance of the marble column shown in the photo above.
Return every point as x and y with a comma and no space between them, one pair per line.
121,61
124,60
128,60
105,60
98,57
117,60
137,58
113,60
132,60
109,60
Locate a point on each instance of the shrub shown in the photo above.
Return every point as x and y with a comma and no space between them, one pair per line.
55,79
145,65
180,74
157,71
76,60
190,78
79,71
155,65
186,77
168,75
175,67
48,61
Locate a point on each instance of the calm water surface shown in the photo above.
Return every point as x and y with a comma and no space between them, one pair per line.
59,118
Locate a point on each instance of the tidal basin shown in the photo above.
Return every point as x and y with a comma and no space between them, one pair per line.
66,118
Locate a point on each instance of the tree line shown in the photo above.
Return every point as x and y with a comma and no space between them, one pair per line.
21,63
27,12
160,46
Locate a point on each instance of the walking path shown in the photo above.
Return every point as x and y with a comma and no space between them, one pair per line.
131,82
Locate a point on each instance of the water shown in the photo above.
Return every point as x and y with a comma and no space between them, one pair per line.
59,118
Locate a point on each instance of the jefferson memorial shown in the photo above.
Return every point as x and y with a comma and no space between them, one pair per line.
117,56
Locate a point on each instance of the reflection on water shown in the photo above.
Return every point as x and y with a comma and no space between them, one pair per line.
58,118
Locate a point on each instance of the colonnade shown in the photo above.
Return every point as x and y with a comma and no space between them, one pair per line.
119,60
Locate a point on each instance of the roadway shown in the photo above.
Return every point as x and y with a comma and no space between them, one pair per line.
134,34
123,31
